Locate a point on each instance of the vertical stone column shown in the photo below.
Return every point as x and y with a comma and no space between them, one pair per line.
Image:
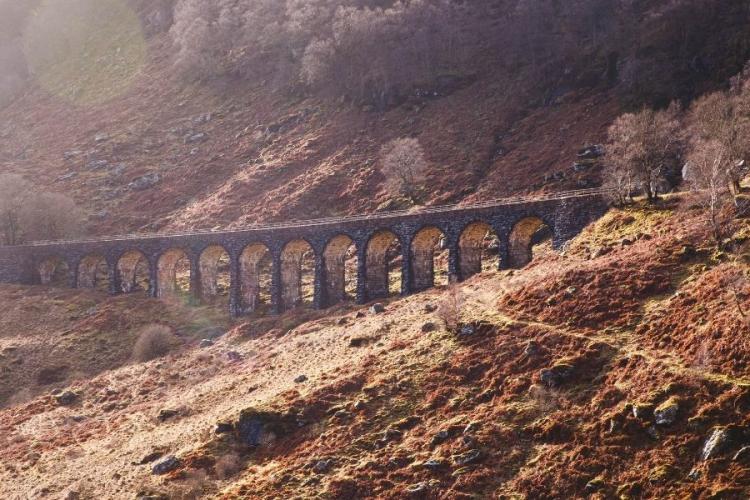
277,305
153,277
362,273
454,257
196,285
73,268
406,270
115,279
235,301
319,299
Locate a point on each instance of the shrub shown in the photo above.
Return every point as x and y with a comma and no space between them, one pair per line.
154,341
451,308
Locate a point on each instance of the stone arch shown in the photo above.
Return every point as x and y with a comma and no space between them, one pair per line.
383,264
256,275
297,274
526,234
93,272
135,272
478,249
173,274
429,259
55,272
340,264
215,277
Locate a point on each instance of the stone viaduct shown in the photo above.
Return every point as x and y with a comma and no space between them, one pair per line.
268,267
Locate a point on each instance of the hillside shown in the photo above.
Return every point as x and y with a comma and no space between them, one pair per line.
562,385
142,148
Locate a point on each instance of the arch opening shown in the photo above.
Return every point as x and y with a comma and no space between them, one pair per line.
429,259
135,273
173,274
54,272
383,265
478,250
297,275
93,272
340,264
256,275
529,238
214,273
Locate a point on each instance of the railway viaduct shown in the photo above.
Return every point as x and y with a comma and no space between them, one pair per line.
269,267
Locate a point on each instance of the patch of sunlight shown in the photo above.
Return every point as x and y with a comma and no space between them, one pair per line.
85,51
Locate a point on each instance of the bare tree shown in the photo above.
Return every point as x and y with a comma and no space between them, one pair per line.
706,174
405,167
620,178
721,118
51,216
14,195
646,143
28,215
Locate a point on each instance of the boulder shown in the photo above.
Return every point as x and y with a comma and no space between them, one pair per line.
717,443
666,413
323,466
377,308
300,379
206,343
67,398
468,458
166,466
557,375
195,138
258,427
429,327
224,428
166,413
145,182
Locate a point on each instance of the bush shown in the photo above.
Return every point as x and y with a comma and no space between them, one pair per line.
154,341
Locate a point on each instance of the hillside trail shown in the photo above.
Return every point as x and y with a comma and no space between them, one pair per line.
482,305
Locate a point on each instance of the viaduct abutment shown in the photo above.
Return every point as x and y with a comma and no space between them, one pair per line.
267,266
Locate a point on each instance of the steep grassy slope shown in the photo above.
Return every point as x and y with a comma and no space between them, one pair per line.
578,376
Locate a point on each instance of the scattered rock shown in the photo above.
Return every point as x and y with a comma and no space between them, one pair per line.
556,375
470,457
377,308
440,437
430,308
69,155
666,413
301,379
67,398
467,330
206,343
434,465
97,164
359,315
532,348
68,176
166,466
743,455
643,411
342,415
591,152
145,182
323,466
429,327
418,488
258,427
360,405
717,443
166,414
234,356
596,484
224,428
101,138
195,138
204,118
151,457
